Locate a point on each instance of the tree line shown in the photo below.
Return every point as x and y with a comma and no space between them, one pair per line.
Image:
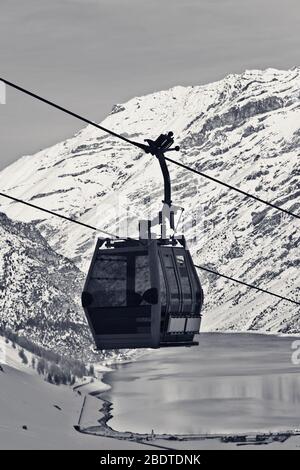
54,367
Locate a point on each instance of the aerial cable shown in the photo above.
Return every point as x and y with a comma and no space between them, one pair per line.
144,147
71,113
246,284
115,236
58,215
229,186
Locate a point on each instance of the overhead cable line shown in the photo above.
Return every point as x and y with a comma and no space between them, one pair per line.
57,215
91,227
68,111
246,284
146,148
229,186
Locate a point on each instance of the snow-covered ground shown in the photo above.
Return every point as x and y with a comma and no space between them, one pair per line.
48,411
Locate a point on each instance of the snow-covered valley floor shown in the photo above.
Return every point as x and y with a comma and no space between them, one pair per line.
49,412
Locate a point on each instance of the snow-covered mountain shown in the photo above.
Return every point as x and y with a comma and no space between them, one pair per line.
243,129
40,290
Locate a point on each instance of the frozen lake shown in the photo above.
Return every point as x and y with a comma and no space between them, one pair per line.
229,383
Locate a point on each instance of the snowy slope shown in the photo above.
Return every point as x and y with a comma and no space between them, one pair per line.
40,290
244,129
48,411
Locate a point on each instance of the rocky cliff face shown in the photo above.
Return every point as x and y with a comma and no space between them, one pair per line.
245,130
39,291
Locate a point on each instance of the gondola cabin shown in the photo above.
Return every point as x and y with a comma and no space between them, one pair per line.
145,293
142,294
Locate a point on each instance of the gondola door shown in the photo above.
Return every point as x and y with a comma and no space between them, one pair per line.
183,296
121,297
191,290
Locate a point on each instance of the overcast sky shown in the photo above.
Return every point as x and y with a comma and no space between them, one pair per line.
89,54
